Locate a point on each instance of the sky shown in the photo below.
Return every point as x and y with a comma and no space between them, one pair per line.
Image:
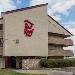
62,11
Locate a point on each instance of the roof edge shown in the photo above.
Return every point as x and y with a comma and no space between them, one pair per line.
21,9
60,25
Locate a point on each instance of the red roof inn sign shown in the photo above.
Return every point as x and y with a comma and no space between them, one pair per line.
28,28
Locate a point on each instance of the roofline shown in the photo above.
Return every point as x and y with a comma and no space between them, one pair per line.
60,25
7,12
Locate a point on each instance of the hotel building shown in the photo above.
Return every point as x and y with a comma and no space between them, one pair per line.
28,34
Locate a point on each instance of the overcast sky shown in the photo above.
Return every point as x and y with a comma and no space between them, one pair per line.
61,10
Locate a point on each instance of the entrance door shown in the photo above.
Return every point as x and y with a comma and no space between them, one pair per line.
12,62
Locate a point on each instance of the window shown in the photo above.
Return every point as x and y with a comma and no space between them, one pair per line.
17,41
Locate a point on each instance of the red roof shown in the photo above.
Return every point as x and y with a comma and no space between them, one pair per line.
7,12
61,26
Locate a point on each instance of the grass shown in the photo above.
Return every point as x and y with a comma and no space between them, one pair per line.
10,72
71,58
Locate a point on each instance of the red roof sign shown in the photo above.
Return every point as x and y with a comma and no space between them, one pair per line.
28,28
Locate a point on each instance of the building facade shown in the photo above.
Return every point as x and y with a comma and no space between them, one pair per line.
28,34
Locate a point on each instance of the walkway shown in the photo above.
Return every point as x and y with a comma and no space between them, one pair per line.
48,72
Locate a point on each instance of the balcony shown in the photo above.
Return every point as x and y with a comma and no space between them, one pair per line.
60,53
68,42
60,41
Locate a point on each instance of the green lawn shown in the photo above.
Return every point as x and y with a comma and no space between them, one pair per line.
10,72
71,58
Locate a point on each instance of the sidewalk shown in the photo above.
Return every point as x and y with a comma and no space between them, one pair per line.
48,72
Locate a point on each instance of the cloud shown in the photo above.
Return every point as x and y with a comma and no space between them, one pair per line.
36,2
60,6
19,1
70,25
6,5
56,17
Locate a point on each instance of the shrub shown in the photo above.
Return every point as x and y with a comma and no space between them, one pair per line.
67,63
48,63
72,62
51,63
57,63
